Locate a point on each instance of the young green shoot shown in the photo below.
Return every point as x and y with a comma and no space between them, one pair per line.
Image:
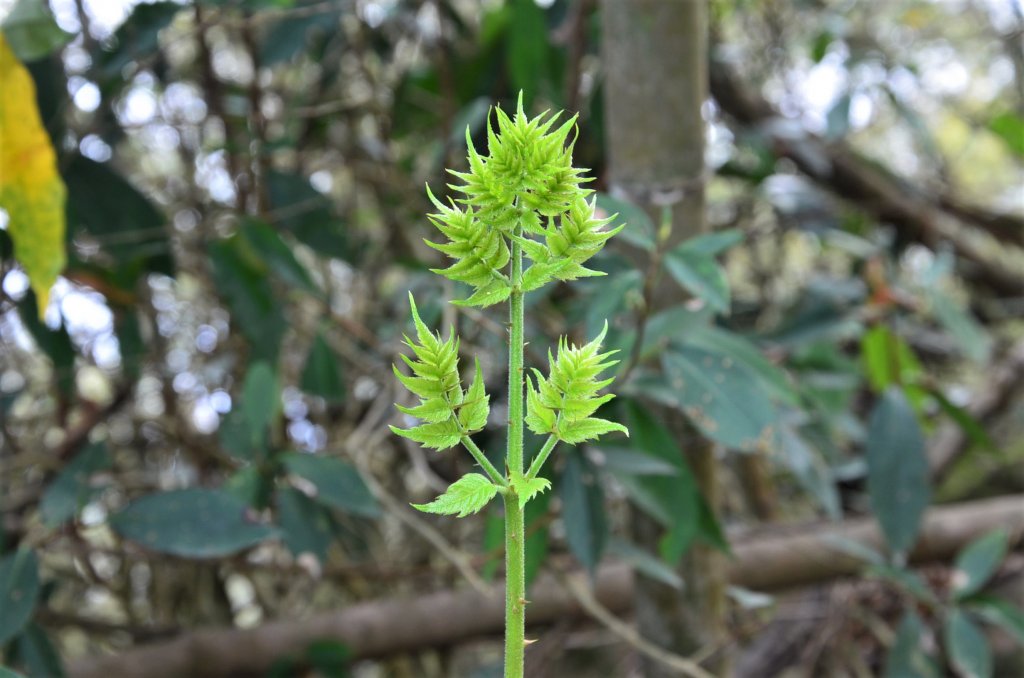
524,201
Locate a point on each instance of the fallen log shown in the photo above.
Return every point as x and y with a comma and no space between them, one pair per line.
773,561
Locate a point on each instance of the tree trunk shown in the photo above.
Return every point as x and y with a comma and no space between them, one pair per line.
655,63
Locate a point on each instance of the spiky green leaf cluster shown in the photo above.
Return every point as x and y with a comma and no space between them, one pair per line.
528,167
524,191
570,242
562,404
467,495
448,412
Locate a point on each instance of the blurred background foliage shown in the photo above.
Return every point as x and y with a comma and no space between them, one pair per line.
194,428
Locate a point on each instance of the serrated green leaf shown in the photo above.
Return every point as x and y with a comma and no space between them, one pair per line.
438,436
467,495
475,407
432,411
493,293
527,489
588,429
562,403
540,274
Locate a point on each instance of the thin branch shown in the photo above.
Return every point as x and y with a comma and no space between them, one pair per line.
595,609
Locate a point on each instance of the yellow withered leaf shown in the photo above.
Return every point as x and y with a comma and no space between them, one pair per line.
31,190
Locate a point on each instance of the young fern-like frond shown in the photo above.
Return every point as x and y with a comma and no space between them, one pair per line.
480,253
448,413
522,200
561,405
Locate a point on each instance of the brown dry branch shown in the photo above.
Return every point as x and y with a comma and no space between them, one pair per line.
989,242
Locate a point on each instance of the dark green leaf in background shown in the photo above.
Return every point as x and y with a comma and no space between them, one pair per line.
535,520
975,431
741,350
129,228
192,523
329,657
305,524
321,375
647,563
71,489
277,254
700,275
261,401
635,462
19,591
1001,613
639,230
250,485
289,36
966,646
968,333
236,437
137,38
31,31
907,657
978,562
527,55
338,483
713,244
897,470
722,397
241,278
586,527
299,209
56,344
34,650
810,470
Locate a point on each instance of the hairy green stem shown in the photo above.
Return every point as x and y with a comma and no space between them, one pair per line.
485,463
542,456
515,556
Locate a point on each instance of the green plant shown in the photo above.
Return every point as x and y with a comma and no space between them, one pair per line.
524,199
956,612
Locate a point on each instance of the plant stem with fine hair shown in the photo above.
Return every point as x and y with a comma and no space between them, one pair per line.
515,556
